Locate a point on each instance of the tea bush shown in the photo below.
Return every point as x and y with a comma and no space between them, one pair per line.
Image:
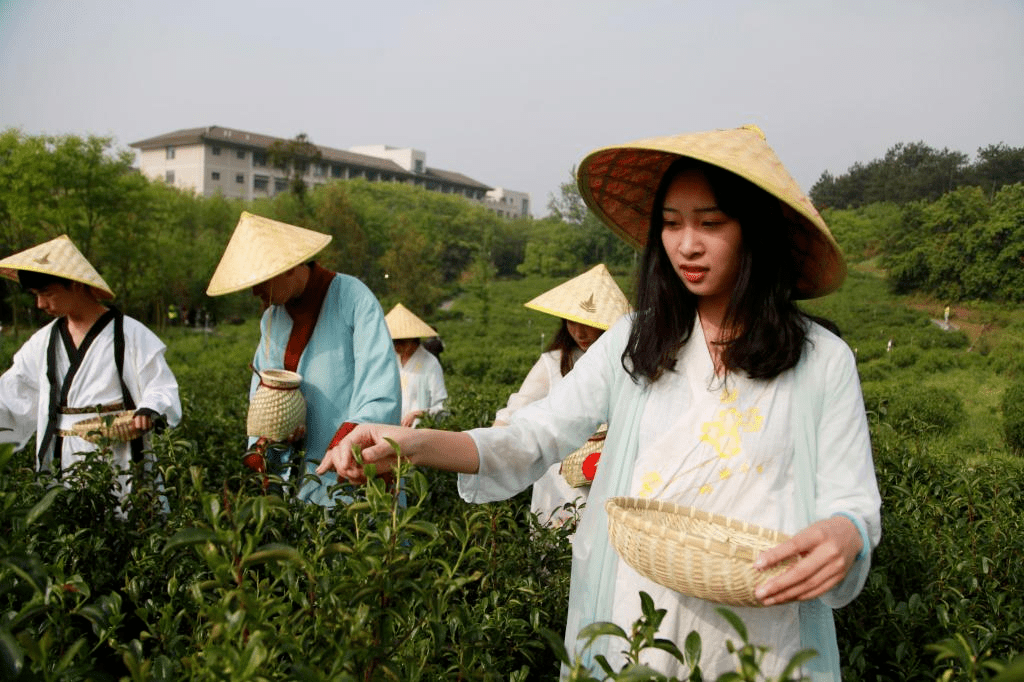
1013,417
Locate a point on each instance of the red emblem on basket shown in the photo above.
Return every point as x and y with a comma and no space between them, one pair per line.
590,465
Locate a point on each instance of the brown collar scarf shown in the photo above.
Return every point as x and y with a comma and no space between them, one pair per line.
304,311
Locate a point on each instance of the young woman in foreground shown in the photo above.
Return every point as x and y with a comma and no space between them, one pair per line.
719,393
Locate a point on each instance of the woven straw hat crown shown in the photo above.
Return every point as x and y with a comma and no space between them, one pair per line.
58,257
403,324
261,248
592,298
618,183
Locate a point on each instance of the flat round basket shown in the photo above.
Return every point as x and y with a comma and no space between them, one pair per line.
691,551
579,467
119,428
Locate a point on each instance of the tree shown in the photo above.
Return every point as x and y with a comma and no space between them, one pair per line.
294,157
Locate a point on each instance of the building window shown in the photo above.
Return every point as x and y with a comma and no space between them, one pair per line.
320,170
419,165
215,175
335,171
215,151
526,207
240,153
240,178
259,159
260,183
170,152
280,184
371,175
169,177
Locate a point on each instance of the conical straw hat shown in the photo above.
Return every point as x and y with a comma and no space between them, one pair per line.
592,298
61,258
403,324
261,248
618,183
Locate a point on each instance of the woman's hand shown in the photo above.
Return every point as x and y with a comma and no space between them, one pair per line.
826,550
371,438
142,422
410,417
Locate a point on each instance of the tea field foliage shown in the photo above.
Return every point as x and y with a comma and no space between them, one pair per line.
237,581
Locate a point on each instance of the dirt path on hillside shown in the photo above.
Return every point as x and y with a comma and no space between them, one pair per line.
960,318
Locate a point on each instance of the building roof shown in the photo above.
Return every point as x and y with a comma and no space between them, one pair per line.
256,141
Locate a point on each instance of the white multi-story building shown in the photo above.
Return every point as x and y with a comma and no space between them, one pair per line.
236,164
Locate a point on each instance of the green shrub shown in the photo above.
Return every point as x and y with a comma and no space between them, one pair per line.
924,409
1013,417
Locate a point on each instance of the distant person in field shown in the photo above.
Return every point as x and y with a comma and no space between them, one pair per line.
91,361
324,325
423,390
586,306
719,394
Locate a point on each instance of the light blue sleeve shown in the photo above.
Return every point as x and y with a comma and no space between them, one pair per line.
377,387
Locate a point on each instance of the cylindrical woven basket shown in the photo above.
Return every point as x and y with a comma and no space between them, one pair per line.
277,407
120,428
691,551
572,466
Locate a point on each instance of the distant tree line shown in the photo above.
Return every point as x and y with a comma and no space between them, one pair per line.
963,246
157,245
915,171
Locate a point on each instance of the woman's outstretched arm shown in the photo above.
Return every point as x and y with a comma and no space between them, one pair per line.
445,450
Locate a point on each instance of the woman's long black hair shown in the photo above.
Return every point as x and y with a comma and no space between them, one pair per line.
770,328
566,345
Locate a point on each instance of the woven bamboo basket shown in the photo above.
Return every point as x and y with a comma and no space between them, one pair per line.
277,407
691,551
119,428
574,470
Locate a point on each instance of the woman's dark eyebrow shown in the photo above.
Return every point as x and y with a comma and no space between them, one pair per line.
708,209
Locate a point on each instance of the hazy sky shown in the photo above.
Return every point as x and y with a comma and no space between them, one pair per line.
514,94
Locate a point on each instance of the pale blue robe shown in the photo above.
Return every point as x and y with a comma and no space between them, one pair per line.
827,451
348,369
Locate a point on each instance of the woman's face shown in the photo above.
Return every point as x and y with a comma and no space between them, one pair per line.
703,244
584,335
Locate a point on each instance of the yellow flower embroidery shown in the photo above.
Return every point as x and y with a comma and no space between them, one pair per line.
650,480
729,396
724,434
706,489
725,473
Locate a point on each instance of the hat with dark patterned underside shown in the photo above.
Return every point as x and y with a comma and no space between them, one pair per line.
58,257
592,298
403,324
261,248
618,183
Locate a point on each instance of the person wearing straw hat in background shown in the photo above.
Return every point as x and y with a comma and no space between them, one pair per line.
423,391
586,305
92,361
326,326
719,393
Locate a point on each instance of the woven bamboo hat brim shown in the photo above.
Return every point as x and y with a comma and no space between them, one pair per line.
58,257
261,248
618,183
403,324
592,298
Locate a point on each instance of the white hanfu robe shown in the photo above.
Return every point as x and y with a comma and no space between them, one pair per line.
551,493
25,388
781,453
422,384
